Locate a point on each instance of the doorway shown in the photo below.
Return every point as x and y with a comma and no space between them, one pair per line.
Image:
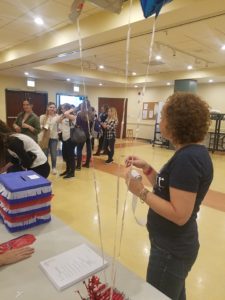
120,105
14,103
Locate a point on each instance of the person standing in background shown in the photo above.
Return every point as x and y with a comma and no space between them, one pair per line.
49,129
27,122
110,133
66,119
84,120
102,118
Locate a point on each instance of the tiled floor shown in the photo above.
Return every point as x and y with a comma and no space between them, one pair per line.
75,204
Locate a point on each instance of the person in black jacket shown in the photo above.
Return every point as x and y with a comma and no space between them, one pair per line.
84,120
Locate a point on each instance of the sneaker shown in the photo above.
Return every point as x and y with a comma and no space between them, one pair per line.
54,171
109,161
68,175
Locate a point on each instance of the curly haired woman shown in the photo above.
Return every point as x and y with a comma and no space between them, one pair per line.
178,190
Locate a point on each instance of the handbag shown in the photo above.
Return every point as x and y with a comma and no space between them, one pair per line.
77,135
44,139
44,136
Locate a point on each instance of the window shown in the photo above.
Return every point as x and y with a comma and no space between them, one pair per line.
71,99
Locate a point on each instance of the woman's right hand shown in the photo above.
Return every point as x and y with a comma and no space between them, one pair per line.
15,255
136,162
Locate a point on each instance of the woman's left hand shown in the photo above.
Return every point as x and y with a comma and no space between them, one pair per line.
135,185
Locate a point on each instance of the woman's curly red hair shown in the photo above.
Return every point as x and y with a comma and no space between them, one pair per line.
187,118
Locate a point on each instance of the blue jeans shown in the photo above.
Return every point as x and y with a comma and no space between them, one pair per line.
52,147
167,273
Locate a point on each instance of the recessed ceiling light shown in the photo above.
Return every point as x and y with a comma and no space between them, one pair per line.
101,67
76,88
31,82
26,73
62,55
223,47
134,73
168,83
136,86
210,80
190,67
68,79
158,57
38,21
100,84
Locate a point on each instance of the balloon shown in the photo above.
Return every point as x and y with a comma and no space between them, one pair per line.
151,7
111,5
76,9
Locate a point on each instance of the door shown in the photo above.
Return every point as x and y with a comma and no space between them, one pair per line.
120,105
14,100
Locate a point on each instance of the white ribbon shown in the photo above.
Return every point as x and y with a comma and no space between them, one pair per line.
135,200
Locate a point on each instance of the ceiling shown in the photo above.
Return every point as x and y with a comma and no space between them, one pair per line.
188,32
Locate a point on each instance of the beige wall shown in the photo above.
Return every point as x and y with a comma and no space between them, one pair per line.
214,94
51,87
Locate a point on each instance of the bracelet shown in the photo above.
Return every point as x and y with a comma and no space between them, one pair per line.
149,171
143,194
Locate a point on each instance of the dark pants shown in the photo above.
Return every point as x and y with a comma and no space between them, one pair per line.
92,143
79,152
69,156
110,145
101,142
42,170
167,273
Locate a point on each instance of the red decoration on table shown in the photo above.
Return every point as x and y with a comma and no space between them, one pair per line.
100,291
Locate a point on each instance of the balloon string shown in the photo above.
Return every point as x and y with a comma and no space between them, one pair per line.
82,69
137,127
81,54
93,167
114,265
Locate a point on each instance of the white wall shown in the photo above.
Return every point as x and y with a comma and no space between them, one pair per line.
214,94
143,129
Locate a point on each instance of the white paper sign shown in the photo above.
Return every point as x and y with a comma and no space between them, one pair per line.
33,176
72,266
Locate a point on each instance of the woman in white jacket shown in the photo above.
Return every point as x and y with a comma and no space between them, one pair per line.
49,129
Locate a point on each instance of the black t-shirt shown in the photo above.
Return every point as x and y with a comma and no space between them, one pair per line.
190,169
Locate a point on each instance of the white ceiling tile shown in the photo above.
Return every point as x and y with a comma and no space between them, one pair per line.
9,38
5,20
15,8
52,13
